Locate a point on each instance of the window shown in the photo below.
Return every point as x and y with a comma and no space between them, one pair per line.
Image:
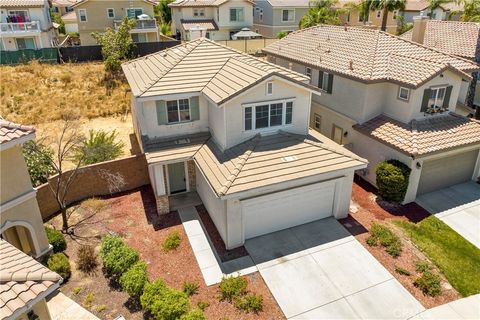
178,111
139,37
20,14
288,15
111,13
268,115
83,15
436,98
198,12
69,9
308,72
403,93
133,13
25,43
317,121
269,88
325,81
236,15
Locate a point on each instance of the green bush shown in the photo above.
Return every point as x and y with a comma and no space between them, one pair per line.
119,260
195,314
134,280
58,263
190,288
172,241
402,271
164,302
384,236
100,146
56,239
202,305
250,303
429,283
392,180
39,161
86,259
422,266
232,287
110,242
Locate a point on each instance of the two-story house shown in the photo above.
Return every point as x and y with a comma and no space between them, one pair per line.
386,97
97,15
445,11
234,128
216,19
26,25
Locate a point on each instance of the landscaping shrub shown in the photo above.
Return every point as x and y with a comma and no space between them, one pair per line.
172,241
164,302
195,314
87,303
422,266
134,280
56,239
86,259
119,260
429,283
392,180
110,242
58,263
190,288
250,303
202,305
402,271
100,146
232,287
38,159
384,236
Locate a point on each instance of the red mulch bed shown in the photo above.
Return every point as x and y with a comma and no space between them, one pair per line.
133,216
371,209
214,235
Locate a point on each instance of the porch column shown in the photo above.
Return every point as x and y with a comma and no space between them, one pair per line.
157,180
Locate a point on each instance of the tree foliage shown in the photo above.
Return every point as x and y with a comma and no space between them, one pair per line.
385,5
100,146
163,11
37,156
471,10
392,180
57,18
134,280
402,25
164,302
321,11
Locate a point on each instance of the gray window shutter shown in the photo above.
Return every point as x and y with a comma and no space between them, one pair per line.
330,83
161,112
426,97
194,109
320,79
446,99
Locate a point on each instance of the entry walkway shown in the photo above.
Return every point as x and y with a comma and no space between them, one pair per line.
462,309
62,307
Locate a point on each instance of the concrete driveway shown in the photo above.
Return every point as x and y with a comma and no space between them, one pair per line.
319,271
458,206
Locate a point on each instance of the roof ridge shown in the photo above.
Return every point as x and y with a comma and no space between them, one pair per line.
213,77
372,61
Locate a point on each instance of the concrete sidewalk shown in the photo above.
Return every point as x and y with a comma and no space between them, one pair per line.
462,309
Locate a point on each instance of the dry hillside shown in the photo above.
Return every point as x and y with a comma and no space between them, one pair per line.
37,93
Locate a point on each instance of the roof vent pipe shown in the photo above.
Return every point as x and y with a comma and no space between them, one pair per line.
351,65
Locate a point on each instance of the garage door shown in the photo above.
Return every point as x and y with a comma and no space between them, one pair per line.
286,209
447,171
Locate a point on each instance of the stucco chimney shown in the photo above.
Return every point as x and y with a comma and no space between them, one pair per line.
419,26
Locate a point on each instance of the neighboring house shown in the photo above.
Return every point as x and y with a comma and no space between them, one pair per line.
385,97
26,24
20,219
70,20
24,285
63,7
453,37
234,128
214,19
97,15
446,11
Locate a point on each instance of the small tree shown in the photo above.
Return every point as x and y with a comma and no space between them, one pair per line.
392,179
321,11
386,6
116,44
163,12
37,156
100,146
282,34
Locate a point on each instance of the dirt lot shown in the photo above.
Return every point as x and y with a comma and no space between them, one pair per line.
132,215
369,209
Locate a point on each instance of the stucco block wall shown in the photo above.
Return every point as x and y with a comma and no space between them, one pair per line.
330,118
216,123
14,178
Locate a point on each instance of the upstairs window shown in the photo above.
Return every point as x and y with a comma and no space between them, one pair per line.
83,15
436,97
133,13
403,93
178,111
317,121
308,72
268,115
111,13
325,81
269,88
236,15
288,15
199,12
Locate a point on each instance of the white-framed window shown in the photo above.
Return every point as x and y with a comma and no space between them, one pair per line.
403,93
133,13
317,121
199,12
288,15
436,97
111,13
266,115
237,15
83,15
25,43
178,111
308,72
269,88
324,81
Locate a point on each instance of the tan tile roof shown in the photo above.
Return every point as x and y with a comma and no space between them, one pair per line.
209,24
10,131
203,66
173,148
64,3
22,279
289,3
453,37
200,3
262,161
80,2
367,55
22,3
421,137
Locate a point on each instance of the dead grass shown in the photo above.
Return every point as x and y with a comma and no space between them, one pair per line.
35,93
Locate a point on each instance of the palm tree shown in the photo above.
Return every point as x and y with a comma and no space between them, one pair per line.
471,10
386,6
321,11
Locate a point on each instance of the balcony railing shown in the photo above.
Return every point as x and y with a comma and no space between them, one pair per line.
20,27
140,24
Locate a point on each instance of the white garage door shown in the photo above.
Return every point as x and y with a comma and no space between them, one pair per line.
447,171
286,209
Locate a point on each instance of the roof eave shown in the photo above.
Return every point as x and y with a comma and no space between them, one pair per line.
17,141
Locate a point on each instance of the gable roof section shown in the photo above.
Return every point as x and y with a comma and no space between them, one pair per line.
367,55
10,132
22,280
289,3
453,37
262,161
203,66
201,3
22,3
80,2
209,24
422,137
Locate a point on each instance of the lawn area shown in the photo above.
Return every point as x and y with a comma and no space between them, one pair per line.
458,259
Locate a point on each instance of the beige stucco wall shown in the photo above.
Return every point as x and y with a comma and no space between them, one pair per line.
40,309
14,178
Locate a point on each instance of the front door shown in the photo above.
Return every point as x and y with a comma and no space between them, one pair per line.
176,177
